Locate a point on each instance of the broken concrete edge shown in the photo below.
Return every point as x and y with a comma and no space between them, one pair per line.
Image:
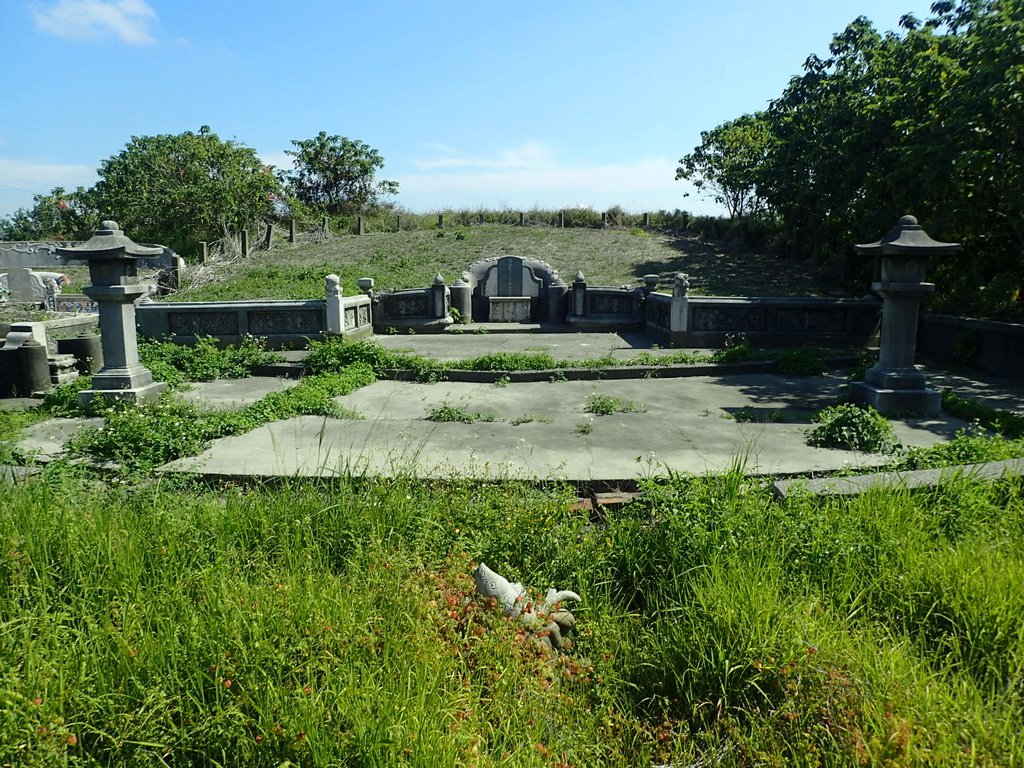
612,372
918,478
296,369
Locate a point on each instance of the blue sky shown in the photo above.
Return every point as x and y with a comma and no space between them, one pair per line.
470,103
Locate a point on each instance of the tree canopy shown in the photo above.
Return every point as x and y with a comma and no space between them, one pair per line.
174,190
726,163
180,189
925,121
337,175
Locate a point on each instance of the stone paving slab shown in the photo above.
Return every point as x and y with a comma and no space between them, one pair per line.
45,440
687,425
232,394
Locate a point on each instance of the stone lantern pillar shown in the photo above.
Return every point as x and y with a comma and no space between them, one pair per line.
894,385
113,260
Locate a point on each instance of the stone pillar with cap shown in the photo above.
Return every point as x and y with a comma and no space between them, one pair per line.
113,259
579,295
894,385
335,306
462,298
442,298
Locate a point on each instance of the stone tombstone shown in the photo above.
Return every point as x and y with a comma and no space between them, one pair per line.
113,270
510,276
21,286
894,385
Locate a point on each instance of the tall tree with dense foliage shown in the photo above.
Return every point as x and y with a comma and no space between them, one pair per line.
337,175
180,189
726,162
925,121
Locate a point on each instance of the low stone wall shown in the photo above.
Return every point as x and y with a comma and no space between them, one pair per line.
988,345
421,309
604,308
280,323
706,321
658,312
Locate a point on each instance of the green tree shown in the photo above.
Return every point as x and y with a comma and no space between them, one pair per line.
60,215
180,189
925,120
726,163
337,175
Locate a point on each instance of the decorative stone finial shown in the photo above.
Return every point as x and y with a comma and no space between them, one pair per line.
438,279
579,277
908,221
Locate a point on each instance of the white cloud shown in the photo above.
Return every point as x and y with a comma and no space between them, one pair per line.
126,20
530,175
532,154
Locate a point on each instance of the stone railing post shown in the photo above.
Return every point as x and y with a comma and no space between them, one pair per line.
557,291
442,297
579,295
679,313
462,299
335,310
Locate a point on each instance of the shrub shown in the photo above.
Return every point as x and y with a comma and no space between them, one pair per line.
605,405
852,428
203,361
448,413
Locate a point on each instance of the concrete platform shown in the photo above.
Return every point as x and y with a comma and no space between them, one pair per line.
541,431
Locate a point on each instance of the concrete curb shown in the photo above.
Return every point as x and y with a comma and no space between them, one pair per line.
919,478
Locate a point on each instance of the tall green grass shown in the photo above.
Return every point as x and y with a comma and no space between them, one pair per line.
335,624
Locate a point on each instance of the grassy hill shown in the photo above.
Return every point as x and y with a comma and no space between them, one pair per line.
411,259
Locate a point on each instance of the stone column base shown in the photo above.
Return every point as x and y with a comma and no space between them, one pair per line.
896,402
92,399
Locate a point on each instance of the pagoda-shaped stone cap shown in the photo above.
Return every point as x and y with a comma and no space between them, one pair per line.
109,242
907,238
